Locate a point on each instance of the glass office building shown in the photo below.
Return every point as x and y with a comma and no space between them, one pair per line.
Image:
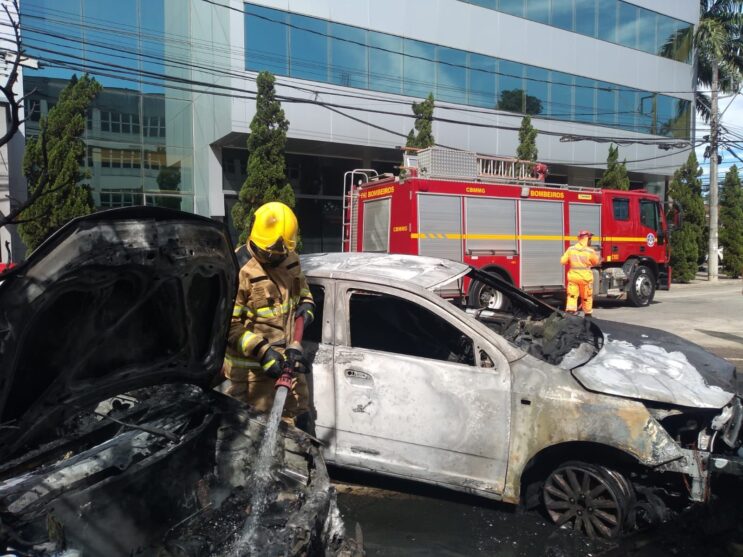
138,133
171,124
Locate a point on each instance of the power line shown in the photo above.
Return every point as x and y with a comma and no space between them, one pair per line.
336,109
122,53
126,54
129,74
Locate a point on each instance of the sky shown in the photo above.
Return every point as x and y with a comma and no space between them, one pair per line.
733,120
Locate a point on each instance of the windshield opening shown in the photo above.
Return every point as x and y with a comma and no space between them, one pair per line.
532,325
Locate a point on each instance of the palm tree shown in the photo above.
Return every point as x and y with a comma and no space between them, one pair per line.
718,60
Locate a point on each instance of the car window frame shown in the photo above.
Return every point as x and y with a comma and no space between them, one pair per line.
345,288
327,335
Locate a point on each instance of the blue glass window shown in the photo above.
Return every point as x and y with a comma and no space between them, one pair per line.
511,86
647,107
666,36
266,40
607,20
646,33
668,110
561,101
38,19
585,17
385,62
683,122
537,90
419,68
319,50
683,42
513,7
153,23
538,10
627,29
348,56
562,14
606,100
483,79
308,48
122,13
627,109
451,79
585,90
614,21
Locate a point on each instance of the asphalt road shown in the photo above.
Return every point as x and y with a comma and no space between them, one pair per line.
709,314
403,518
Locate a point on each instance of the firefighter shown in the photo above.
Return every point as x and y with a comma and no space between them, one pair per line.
580,258
272,292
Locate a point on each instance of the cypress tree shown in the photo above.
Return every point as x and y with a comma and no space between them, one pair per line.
52,164
731,223
527,149
688,243
615,175
266,179
423,124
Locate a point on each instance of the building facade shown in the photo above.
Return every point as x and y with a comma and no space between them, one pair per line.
171,125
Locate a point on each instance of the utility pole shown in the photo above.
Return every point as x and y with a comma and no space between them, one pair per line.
712,263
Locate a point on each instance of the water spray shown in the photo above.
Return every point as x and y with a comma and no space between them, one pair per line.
267,454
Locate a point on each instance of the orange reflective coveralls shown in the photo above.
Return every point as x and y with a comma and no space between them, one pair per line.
581,258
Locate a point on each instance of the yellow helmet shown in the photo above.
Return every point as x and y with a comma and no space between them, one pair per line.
274,221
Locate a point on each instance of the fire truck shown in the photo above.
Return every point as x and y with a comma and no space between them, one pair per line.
490,212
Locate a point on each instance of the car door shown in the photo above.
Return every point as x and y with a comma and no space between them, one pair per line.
318,347
417,393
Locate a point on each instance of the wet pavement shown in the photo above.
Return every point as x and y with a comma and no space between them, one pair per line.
405,518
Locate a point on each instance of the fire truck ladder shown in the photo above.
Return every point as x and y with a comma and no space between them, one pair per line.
352,180
489,167
439,162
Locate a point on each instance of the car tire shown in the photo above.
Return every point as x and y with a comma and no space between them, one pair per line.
482,296
593,500
641,287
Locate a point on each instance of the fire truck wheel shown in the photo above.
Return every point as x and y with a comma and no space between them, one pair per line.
641,287
483,296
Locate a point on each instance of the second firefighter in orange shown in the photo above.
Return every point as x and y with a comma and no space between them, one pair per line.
580,258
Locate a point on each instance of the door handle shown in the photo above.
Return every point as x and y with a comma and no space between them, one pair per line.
358,377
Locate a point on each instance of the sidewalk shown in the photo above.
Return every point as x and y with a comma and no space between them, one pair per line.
701,280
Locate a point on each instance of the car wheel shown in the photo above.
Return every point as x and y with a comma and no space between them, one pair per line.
590,499
482,296
641,287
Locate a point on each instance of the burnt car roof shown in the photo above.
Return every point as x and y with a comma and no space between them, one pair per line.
425,272
113,301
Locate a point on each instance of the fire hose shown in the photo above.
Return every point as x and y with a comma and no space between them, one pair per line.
287,368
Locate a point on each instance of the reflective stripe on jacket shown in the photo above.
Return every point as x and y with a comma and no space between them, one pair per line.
263,314
581,259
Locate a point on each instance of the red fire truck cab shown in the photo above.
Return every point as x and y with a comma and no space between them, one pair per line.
490,213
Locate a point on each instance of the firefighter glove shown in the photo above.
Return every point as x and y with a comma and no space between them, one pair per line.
272,363
297,362
306,310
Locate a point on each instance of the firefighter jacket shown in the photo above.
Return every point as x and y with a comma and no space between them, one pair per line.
263,315
580,258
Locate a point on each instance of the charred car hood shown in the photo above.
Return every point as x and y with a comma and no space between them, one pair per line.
653,365
112,302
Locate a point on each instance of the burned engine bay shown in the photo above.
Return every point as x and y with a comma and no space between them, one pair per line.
165,470
560,339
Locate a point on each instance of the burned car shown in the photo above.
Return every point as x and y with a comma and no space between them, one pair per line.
111,440
605,426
